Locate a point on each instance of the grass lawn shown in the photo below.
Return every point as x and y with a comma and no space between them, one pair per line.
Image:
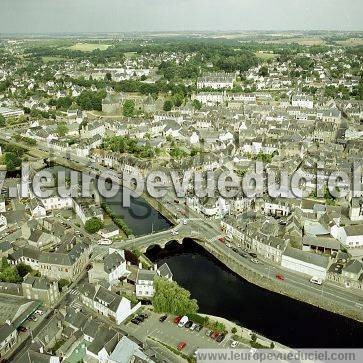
130,55
266,56
88,47
52,59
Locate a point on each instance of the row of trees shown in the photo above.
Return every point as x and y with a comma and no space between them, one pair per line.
118,220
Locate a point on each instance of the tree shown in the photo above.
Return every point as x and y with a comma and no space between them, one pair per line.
263,71
234,330
108,76
23,269
253,337
62,283
93,225
178,100
197,104
129,108
2,121
62,129
168,105
272,345
12,161
169,297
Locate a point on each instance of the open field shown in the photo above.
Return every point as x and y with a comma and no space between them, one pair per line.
350,42
130,55
297,40
48,59
88,47
266,56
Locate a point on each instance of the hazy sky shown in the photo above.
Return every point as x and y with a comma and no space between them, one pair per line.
34,16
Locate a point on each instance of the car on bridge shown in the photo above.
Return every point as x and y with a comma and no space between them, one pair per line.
280,277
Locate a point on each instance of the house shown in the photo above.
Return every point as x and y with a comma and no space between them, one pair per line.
37,208
86,208
14,310
145,280
308,263
107,303
127,351
112,103
353,270
216,81
356,209
2,201
102,346
68,261
3,223
39,288
303,101
109,231
351,236
40,239
110,268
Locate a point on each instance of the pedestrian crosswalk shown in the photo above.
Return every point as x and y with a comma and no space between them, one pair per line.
74,292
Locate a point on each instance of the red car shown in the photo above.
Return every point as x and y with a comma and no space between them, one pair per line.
280,277
221,239
214,335
181,345
177,319
22,329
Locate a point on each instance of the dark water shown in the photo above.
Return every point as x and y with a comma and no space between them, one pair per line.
222,293
140,217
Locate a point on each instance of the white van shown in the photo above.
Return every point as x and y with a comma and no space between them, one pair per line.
183,321
316,280
105,241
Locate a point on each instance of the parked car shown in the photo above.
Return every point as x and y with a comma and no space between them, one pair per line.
244,254
181,345
177,319
220,337
144,315
163,318
39,312
208,333
193,326
188,324
183,321
140,317
316,280
221,239
234,344
33,318
135,321
198,328
22,329
214,335
280,277
255,260
234,249
252,254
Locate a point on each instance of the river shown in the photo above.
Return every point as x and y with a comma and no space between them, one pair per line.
223,293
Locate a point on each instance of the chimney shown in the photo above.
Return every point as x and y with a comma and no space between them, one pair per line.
140,265
155,267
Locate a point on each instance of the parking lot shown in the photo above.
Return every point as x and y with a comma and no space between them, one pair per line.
170,334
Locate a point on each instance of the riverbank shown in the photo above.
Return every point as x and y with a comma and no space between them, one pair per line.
276,286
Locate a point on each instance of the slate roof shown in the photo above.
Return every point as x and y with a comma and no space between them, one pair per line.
308,257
